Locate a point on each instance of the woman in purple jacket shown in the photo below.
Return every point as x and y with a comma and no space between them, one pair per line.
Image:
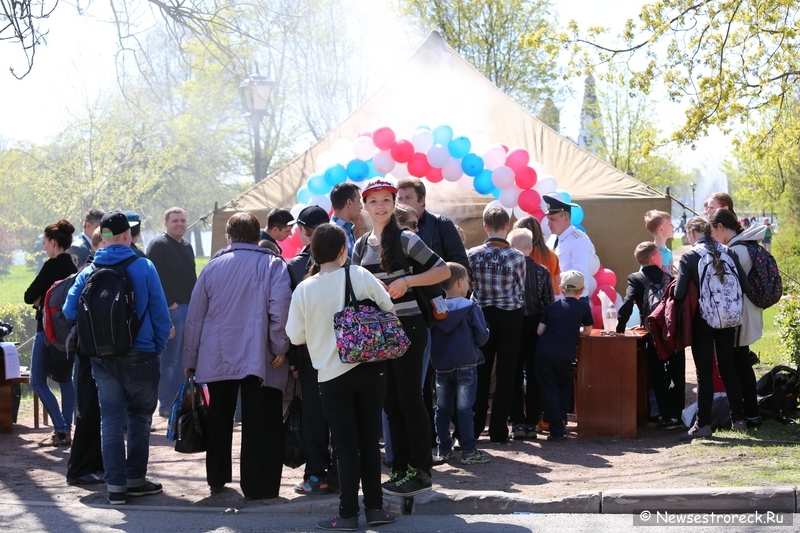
235,339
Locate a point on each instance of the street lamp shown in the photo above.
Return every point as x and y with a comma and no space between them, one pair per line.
694,208
255,92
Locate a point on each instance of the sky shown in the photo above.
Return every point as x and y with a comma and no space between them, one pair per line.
78,64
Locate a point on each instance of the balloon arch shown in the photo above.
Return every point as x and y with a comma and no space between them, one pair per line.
472,163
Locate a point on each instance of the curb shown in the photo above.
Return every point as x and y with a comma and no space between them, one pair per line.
726,499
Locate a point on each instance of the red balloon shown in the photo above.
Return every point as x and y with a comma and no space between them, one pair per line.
539,215
518,158
597,314
525,177
608,290
529,201
434,175
383,138
402,151
288,249
418,166
605,276
504,147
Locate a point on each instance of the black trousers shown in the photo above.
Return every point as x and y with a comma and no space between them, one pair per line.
261,462
663,374
314,424
86,452
505,329
526,406
707,343
352,404
555,386
409,424
747,380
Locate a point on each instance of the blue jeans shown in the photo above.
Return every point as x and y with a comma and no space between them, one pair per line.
456,387
62,418
172,360
127,391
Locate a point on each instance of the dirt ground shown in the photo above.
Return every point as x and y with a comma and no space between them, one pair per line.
533,469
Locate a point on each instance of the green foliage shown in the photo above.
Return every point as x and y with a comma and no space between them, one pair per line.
488,34
23,318
788,322
13,286
730,60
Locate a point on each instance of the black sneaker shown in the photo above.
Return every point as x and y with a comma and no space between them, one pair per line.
672,423
146,489
556,438
413,483
117,498
518,432
337,523
377,517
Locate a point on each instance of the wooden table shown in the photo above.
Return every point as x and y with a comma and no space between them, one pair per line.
611,388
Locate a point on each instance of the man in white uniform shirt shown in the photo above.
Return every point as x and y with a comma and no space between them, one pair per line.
571,245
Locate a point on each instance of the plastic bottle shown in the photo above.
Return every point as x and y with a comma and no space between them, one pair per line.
610,317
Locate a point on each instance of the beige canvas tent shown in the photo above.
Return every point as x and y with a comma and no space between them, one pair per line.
436,86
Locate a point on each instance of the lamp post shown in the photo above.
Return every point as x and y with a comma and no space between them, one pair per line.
255,92
694,208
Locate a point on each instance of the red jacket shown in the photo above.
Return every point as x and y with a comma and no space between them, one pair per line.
671,322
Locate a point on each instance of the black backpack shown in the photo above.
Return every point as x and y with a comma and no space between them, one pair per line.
779,392
653,295
107,321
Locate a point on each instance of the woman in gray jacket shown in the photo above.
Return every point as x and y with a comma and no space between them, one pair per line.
235,339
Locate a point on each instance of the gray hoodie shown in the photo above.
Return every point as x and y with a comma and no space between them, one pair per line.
752,316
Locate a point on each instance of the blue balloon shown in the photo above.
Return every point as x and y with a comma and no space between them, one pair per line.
424,127
333,175
483,182
472,165
357,170
567,196
372,172
303,195
442,135
577,215
580,227
459,147
496,192
318,184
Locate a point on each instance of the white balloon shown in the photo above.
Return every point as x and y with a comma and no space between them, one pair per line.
494,157
422,140
364,148
618,301
465,183
635,319
383,162
503,177
343,150
295,210
400,171
509,197
496,203
438,156
546,230
404,130
594,265
557,195
546,185
591,285
325,160
539,168
519,213
452,170
321,200
480,143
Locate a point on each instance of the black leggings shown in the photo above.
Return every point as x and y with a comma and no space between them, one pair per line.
409,424
747,380
708,342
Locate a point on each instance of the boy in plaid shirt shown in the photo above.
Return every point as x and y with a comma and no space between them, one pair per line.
499,289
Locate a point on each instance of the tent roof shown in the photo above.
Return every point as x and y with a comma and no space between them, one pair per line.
437,86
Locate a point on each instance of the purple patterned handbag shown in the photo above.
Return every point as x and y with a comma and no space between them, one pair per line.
365,333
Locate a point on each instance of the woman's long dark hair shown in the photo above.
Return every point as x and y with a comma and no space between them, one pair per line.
530,223
61,232
389,244
726,219
327,242
700,225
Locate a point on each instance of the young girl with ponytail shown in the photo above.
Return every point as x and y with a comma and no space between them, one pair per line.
708,342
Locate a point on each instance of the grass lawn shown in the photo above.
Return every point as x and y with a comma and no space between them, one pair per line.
13,286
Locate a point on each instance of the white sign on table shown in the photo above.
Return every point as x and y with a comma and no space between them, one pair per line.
10,360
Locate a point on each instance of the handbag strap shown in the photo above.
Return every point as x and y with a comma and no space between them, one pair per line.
349,295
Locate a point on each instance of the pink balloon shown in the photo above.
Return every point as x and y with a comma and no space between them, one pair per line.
518,158
597,314
383,162
452,170
383,138
525,177
605,276
503,177
418,166
364,134
434,175
402,151
529,201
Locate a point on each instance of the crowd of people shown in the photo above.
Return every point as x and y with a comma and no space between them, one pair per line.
252,321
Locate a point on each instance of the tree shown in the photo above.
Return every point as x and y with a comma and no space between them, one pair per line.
550,115
488,34
728,59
